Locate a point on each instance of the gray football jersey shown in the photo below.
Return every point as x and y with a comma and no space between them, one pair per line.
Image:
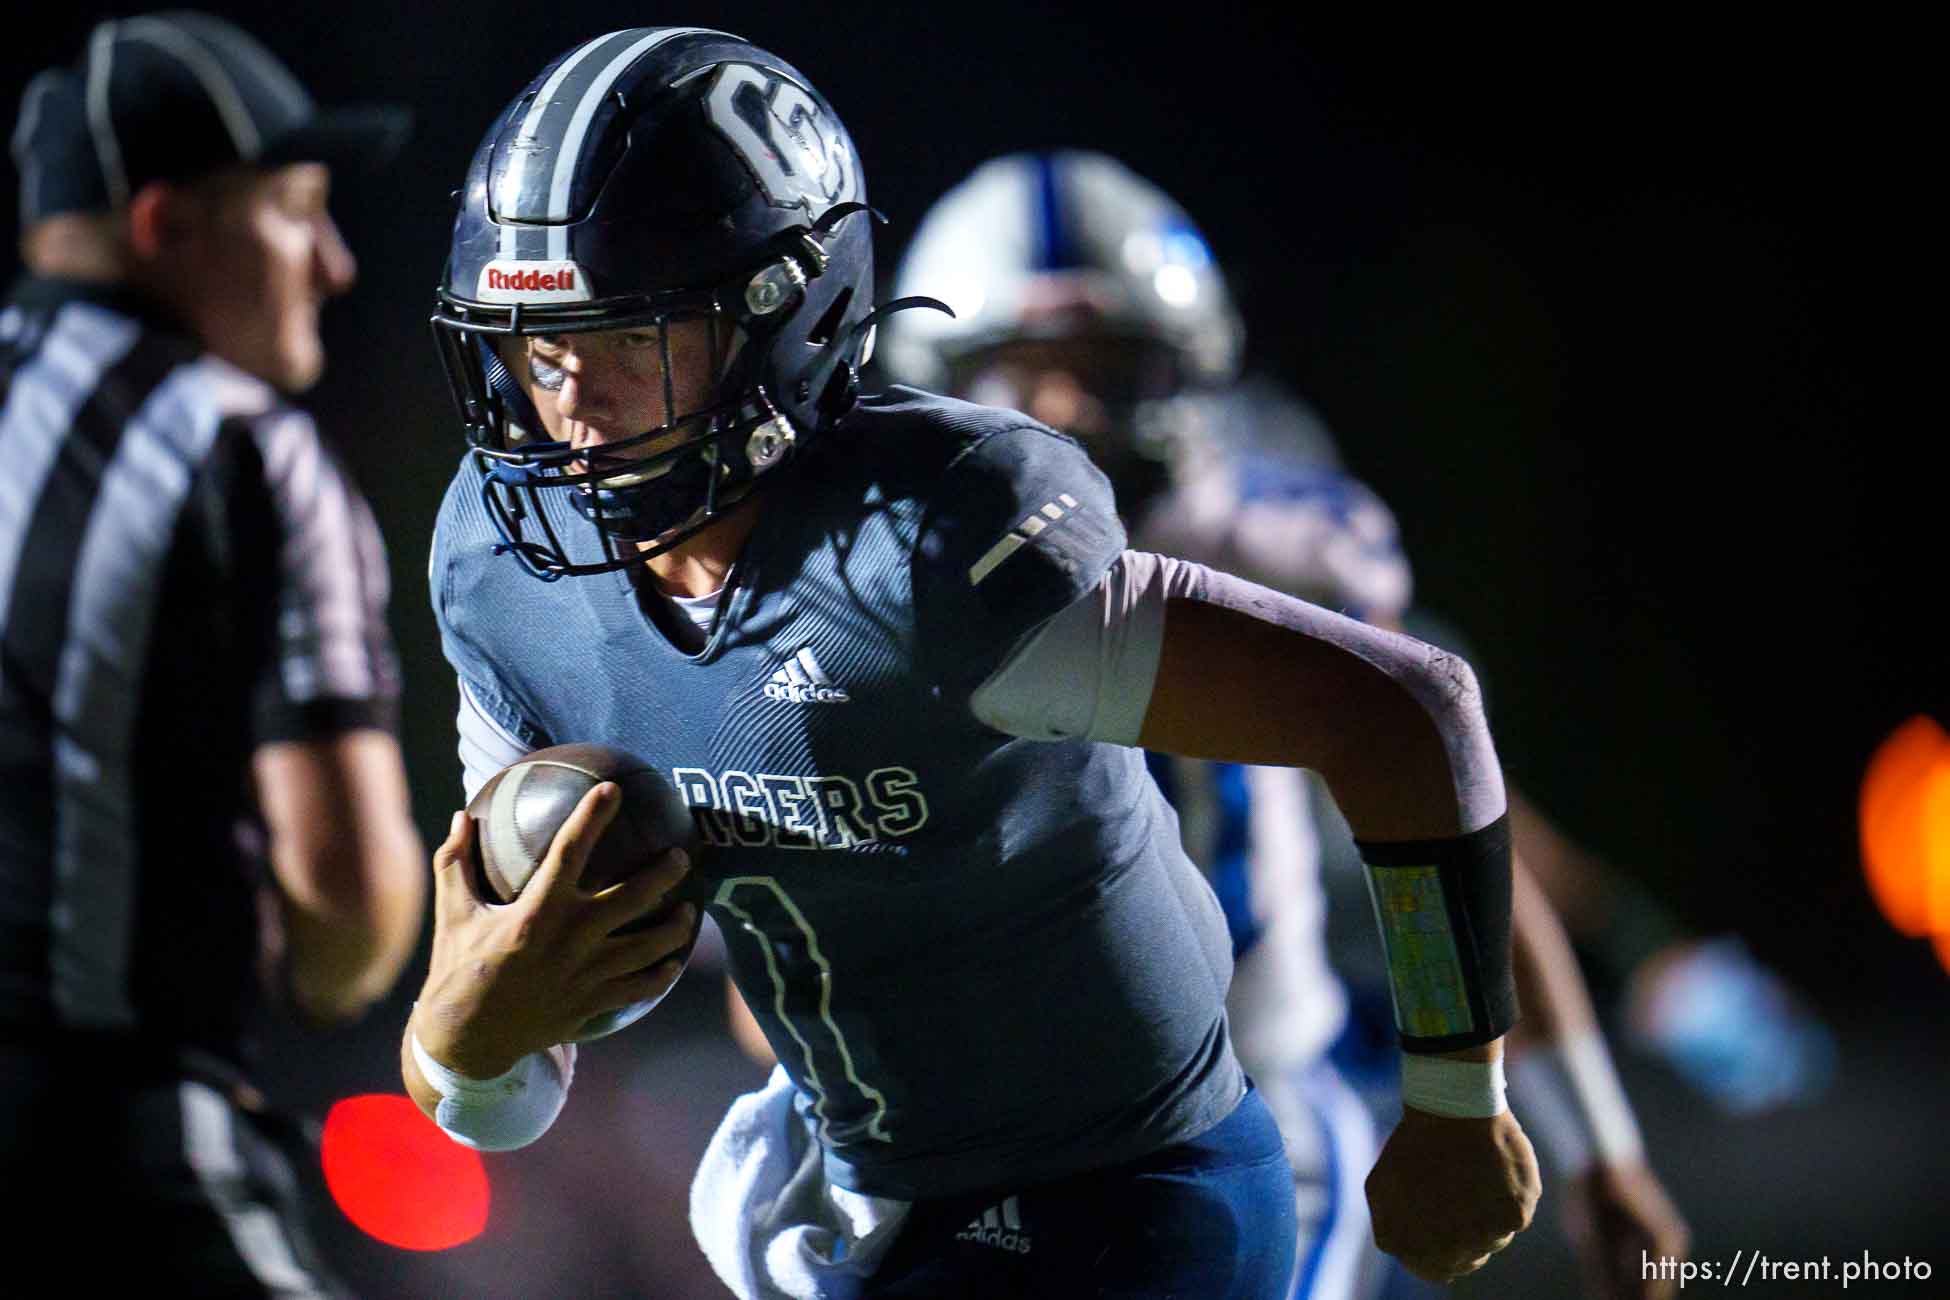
985,961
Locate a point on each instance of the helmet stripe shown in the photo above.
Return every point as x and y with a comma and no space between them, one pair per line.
558,121
530,243
509,195
1057,251
569,150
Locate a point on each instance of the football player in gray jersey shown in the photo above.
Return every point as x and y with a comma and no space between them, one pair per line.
898,656
1087,297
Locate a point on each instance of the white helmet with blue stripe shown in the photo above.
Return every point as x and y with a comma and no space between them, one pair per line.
1059,246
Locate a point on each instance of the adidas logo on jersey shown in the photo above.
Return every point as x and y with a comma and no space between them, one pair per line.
999,1226
802,682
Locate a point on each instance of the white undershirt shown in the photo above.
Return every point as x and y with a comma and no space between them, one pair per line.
700,610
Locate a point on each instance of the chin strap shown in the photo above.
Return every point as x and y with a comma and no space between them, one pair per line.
645,511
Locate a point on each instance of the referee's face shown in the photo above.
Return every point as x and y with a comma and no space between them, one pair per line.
266,256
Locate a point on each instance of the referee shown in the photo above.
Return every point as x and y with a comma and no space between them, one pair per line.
200,788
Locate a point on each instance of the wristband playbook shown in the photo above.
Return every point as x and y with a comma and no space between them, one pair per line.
1443,908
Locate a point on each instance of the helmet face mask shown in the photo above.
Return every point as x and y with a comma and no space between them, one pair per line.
657,485
571,224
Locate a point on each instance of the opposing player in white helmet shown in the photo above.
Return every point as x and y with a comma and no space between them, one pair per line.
1086,297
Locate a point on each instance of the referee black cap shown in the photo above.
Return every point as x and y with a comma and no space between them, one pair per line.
175,96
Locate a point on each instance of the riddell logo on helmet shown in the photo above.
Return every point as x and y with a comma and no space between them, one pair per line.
499,279
505,281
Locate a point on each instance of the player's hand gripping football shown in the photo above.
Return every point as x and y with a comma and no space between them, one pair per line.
1447,1194
507,980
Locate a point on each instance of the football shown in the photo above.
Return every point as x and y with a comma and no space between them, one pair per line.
518,811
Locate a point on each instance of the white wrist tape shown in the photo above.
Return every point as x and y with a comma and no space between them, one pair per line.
508,1111
1573,1105
1457,1089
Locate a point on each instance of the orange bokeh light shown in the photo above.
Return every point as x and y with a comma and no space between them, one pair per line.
1934,812
1905,827
399,1178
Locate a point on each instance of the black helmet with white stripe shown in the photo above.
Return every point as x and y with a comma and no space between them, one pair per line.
647,177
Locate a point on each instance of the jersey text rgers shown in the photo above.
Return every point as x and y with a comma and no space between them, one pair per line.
767,809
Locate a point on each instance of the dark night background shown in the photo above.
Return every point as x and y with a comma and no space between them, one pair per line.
1624,319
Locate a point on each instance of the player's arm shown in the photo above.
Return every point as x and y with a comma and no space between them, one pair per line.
1245,674
513,1109
486,1053
507,985
347,861
1579,887
1562,1079
1026,597
1186,660
1730,1026
744,1027
345,858
1396,728
460,1082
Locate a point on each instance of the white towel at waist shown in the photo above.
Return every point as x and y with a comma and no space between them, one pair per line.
771,1224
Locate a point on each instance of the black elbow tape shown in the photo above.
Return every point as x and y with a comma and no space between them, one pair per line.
1444,911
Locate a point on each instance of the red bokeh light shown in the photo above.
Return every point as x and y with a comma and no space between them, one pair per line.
399,1178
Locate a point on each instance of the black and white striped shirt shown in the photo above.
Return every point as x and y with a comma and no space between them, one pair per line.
185,574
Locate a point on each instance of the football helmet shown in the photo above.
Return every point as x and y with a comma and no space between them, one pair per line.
1069,262
645,178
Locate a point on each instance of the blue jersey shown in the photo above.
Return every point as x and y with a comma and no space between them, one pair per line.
984,961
